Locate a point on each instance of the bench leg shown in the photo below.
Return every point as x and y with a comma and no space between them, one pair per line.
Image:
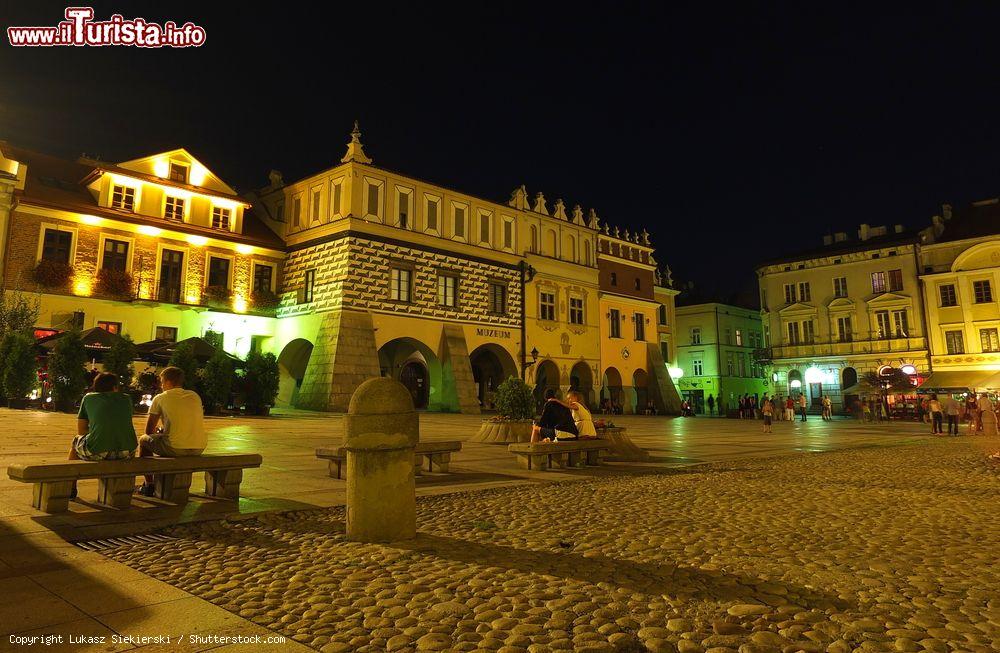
534,462
573,459
594,457
438,462
224,484
173,487
557,460
52,497
116,492
336,468
418,464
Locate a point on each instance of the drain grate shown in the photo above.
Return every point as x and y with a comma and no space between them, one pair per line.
113,542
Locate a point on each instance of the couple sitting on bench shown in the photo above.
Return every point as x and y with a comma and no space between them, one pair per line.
105,430
569,420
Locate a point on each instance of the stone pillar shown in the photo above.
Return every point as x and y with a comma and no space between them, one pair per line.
456,371
343,357
661,387
381,431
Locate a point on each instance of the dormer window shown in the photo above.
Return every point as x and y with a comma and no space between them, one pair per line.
123,197
220,218
178,172
174,209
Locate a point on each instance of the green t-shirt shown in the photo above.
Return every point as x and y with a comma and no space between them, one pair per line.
110,421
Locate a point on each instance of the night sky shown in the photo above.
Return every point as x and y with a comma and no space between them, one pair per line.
732,137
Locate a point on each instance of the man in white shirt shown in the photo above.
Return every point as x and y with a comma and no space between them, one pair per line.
951,409
803,403
183,430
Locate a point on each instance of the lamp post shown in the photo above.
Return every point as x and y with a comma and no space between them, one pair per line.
525,364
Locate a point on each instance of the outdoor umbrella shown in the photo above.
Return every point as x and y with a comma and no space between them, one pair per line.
200,348
96,341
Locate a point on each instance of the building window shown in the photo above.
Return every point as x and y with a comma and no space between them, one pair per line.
804,293
576,310
316,197
789,293
220,218
279,211
844,331
954,342
508,234
498,298
447,290
336,192
615,322
400,284
123,197
882,324
178,172
895,280
111,327
982,291
614,278
533,247
57,246
948,295
729,336
638,284
374,193
459,222
900,324
167,334
665,351
433,208
309,287
989,340
840,287
171,275
262,276
739,338
696,367
115,255
662,315
297,211
484,228
218,272
402,209
808,332
696,336
793,333
878,282
173,209
640,326
547,306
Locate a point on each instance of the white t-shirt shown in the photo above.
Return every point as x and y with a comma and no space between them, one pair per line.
182,414
584,421
984,403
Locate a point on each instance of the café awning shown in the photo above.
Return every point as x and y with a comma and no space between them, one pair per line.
960,380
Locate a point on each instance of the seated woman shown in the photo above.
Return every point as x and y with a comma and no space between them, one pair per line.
104,424
556,421
584,421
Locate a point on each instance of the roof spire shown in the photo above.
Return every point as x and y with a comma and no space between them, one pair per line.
355,150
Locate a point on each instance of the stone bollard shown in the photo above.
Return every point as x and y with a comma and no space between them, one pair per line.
989,422
381,432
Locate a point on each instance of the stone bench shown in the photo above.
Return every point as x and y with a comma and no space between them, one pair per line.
540,456
116,478
437,456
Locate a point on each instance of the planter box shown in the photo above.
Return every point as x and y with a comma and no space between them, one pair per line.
507,432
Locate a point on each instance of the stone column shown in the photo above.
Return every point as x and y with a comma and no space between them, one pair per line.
381,431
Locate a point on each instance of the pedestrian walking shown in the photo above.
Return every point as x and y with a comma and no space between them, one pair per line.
951,409
802,405
789,409
934,406
768,411
710,402
827,409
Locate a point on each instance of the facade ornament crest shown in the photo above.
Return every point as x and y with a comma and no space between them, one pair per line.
627,236
607,229
577,214
540,204
645,237
355,150
519,198
559,209
618,232
592,220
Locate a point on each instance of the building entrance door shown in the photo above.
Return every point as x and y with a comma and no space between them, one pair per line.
414,377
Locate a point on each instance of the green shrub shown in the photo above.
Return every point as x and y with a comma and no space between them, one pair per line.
20,371
217,381
514,399
183,357
260,381
52,274
67,370
118,360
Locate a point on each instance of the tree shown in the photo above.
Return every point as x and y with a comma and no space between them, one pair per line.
217,380
67,370
894,381
183,357
260,382
118,360
20,371
514,399
18,312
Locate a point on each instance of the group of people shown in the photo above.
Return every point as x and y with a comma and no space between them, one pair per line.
936,411
610,407
105,431
564,420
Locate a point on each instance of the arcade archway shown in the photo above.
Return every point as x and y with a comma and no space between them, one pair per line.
581,378
416,366
546,378
640,391
611,389
292,363
491,365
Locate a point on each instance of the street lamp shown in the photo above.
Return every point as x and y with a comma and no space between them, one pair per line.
526,364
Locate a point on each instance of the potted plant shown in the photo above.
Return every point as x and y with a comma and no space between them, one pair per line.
217,382
54,275
20,371
67,370
260,382
217,296
264,301
515,408
114,283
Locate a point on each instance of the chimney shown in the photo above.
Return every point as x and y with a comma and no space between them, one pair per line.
863,231
828,239
898,228
277,181
946,211
840,237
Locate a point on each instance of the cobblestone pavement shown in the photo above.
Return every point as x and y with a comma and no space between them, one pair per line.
871,549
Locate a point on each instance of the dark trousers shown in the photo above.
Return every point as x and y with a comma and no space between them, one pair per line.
803,410
952,424
936,422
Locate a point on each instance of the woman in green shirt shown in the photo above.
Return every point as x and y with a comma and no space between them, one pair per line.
104,424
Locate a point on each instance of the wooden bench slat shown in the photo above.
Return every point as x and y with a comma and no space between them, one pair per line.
82,469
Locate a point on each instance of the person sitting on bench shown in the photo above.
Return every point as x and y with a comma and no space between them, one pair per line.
104,424
183,431
556,421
